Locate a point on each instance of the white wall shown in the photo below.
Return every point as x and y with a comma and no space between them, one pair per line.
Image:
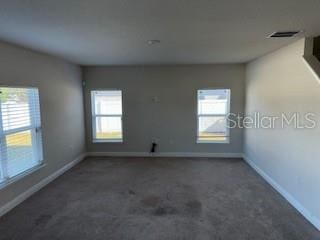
61,103
281,83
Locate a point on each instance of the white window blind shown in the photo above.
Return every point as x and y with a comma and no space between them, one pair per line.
107,116
20,131
213,109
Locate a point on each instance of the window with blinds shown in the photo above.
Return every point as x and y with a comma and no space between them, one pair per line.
213,109
107,116
20,132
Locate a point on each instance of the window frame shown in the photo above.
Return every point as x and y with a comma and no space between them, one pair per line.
94,116
35,129
227,141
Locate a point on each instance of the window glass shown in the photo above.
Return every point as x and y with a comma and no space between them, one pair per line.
107,116
20,131
213,108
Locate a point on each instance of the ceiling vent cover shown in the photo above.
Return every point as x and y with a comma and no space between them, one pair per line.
284,34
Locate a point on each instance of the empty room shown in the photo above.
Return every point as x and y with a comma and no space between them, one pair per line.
160,119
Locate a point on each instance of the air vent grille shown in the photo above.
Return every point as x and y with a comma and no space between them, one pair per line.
284,34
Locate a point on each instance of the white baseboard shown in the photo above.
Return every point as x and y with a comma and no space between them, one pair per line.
164,154
294,202
23,196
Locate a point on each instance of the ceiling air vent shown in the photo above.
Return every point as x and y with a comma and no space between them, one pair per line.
284,34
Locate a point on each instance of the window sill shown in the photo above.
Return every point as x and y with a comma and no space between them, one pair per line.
213,141
18,177
108,141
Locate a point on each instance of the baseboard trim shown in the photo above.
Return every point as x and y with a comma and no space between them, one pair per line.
35,188
164,154
294,202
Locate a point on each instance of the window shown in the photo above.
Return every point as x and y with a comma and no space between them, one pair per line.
20,132
107,116
213,108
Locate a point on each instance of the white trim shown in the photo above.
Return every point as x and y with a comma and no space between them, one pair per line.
215,141
294,202
164,154
107,115
3,154
20,129
108,140
23,196
9,181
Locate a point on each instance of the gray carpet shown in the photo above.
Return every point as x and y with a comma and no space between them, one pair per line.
157,198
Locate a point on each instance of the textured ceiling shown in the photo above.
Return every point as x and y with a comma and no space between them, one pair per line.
115,32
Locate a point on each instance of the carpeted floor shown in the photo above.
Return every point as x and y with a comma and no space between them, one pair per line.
157,198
